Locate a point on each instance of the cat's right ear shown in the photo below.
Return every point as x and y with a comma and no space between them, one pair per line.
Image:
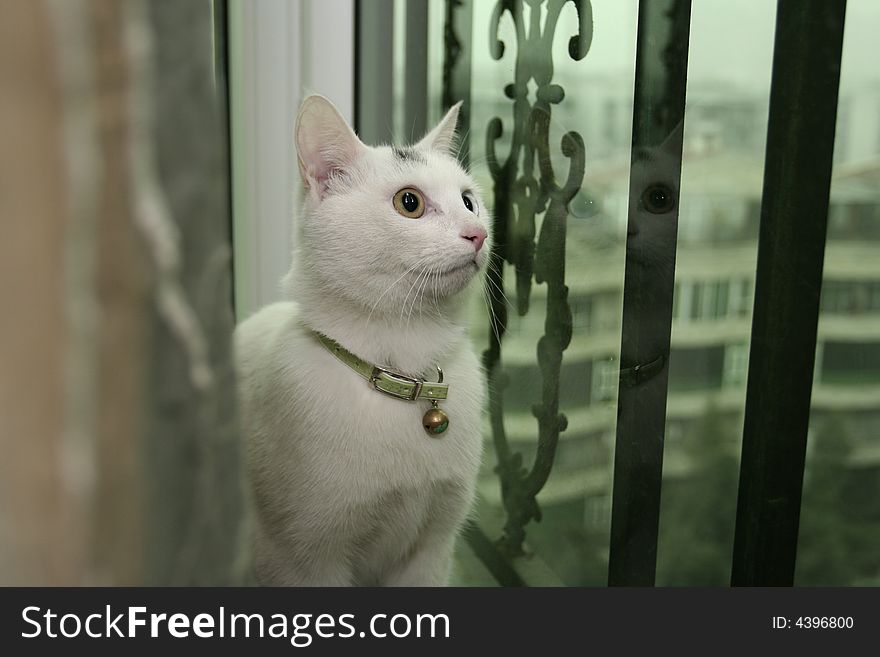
325,144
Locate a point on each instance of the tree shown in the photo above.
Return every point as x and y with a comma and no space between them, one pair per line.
825,542
698,511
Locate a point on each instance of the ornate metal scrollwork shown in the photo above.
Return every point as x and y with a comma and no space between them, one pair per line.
525,185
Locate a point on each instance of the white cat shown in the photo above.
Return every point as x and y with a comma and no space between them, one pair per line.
350,488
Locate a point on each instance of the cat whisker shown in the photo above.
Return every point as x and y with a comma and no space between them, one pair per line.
493,320
414,287
436,300
429,281
412,131
433,288
423,289
489,294
491,281
411,287
387,290
477,162
408,292
498,269
462,140
419,295
420,292
500,290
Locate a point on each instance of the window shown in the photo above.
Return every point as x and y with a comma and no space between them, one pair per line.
121,357
852,220
856,297
851,363
740,304
736,361
606,374
581,313
696,369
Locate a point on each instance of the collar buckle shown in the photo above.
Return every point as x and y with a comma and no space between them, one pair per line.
395,385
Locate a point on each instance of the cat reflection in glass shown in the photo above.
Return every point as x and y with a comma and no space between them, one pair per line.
362,395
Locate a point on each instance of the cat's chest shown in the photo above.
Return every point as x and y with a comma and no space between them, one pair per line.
374,440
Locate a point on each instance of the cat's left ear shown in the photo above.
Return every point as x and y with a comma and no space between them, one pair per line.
673,142
325,144
442,137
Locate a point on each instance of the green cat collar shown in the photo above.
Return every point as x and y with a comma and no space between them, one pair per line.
386,381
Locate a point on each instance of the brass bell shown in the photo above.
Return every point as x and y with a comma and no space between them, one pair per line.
435,421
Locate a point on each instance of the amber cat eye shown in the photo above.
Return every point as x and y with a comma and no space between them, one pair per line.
409,202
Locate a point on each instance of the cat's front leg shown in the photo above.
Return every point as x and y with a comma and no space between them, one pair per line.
430,559
281,562
315,574
428,565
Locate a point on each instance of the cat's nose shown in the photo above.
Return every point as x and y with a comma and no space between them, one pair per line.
475,235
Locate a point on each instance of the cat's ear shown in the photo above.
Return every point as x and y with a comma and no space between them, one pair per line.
325,143
442,137
673,141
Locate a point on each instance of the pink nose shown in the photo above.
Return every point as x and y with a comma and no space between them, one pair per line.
475,235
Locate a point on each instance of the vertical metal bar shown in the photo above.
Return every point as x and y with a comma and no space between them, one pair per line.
415,73
457,48
658,114
220,18
791,249
374,80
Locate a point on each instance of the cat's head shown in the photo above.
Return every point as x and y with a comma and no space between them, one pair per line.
395,230
651,225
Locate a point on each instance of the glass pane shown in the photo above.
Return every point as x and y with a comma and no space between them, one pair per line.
570,543
721,183
840,515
